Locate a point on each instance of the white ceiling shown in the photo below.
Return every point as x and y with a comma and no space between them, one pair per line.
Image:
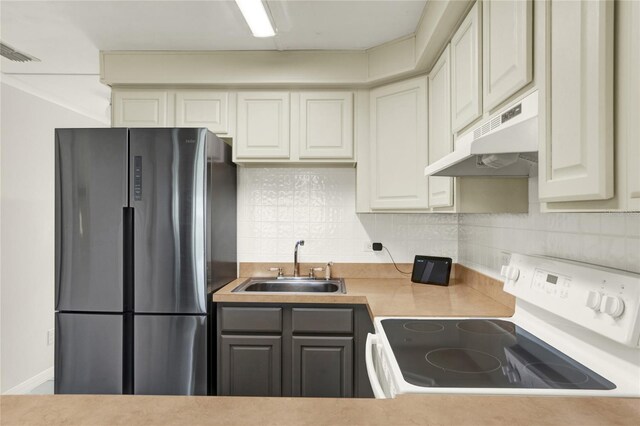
67,35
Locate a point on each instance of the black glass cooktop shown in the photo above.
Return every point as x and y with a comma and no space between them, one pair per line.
479,353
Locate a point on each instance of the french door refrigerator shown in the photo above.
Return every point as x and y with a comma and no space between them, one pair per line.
145,231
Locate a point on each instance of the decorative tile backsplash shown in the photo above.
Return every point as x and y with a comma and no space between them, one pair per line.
608,239
277,206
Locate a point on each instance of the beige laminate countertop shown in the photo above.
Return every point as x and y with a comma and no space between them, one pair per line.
387,297
404,410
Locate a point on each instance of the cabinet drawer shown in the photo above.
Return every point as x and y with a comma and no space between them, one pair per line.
251,319
314,320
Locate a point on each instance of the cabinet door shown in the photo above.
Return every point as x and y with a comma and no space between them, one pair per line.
322,366
326,125
250,365
140,108
630,97
465,71
263,125
399,152
206,108
576,153
507,49
440,140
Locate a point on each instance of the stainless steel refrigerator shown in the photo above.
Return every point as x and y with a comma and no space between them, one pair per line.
145,230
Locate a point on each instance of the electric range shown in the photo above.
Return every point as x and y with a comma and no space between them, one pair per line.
575,331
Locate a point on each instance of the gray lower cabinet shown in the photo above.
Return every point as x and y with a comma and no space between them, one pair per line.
322,366
250,365
312,350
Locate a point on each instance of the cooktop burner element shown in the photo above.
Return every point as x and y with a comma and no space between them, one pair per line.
486,326
482,353
423,326
459,360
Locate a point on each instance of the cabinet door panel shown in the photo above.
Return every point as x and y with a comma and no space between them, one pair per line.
202,109
631,97
440,140
322,366
326,125
577,149
465,71
507,49
263,125
399,151
250,365
144,108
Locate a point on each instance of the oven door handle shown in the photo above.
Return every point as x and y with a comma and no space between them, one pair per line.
372,339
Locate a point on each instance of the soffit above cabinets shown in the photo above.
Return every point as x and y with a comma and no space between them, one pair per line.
67,35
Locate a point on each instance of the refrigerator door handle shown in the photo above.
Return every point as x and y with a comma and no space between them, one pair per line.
127,259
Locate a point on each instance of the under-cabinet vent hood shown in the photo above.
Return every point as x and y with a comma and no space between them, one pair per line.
505,145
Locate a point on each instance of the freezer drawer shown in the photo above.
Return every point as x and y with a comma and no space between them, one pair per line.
89,354
167,193
170,355
91,191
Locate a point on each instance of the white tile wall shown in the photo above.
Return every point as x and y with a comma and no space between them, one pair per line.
609,239
277,206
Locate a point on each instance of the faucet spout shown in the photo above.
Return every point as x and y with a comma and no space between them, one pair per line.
296,273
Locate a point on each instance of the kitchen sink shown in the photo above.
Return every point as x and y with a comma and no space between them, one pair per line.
291,285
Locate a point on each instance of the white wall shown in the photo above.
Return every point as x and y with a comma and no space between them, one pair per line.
27,231
278,206
608,239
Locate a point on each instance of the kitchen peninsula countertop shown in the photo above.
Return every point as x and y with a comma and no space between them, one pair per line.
406,409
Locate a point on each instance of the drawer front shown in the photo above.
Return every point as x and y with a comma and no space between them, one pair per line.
251,319
319,320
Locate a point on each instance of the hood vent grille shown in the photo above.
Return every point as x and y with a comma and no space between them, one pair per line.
15,56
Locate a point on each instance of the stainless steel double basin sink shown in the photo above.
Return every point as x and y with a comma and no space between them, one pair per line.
291,285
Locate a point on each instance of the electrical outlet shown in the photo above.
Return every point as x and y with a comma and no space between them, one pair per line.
505,257
51,335
368,246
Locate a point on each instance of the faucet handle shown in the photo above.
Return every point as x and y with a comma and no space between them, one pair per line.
312,271
277,269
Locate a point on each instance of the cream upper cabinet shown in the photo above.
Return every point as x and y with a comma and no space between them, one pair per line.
630,70
203,108
263,125
325,125
398,145
576,150
466,85
506,49
440,138
139,108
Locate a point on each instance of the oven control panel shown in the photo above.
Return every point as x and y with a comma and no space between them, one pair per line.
604,300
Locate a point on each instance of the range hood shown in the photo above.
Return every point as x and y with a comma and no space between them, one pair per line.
505,145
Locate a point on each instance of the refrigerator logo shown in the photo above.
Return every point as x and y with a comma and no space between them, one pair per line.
190,141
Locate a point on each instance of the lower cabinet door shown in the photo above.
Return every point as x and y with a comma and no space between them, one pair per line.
250,365
322,366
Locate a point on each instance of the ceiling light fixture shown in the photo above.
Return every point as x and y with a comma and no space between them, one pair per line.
257,18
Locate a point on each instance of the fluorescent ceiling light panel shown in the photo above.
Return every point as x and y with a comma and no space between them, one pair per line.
256,16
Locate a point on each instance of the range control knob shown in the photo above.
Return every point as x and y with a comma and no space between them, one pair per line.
593,300
511,273
612,305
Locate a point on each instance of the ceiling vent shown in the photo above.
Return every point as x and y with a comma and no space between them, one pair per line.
13,55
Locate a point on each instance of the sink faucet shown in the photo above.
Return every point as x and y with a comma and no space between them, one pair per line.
295,259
